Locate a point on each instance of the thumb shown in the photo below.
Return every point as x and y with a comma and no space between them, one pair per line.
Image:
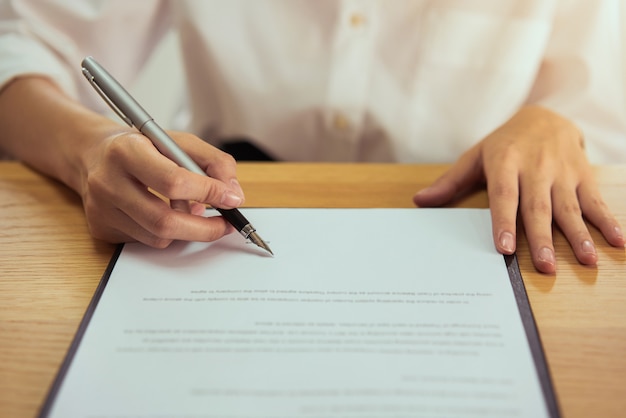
466,172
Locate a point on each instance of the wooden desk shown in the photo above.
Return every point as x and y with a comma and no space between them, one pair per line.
50,267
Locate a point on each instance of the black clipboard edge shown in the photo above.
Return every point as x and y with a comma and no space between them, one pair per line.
532,335
80,332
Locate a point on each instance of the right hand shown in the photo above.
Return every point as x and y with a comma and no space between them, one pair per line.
115,169
121,172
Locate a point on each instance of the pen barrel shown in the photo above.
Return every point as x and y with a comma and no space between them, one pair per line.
236,219
114,93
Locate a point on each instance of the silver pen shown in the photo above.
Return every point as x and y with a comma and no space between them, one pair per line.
127,108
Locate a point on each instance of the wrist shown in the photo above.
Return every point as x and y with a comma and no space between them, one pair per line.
49,131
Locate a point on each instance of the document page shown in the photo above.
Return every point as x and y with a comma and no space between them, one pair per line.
360,313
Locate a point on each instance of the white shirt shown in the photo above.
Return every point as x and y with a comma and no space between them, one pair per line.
351,80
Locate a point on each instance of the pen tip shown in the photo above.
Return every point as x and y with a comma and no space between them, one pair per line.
255,238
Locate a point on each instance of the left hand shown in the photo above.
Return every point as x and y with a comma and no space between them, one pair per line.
534,163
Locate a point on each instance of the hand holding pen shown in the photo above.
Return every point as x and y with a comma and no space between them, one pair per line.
177,177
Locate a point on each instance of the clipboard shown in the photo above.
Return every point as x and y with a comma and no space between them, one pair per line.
512,268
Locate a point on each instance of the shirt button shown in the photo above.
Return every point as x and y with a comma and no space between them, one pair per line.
357,20
340,122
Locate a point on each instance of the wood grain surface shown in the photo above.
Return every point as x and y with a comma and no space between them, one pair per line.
50,267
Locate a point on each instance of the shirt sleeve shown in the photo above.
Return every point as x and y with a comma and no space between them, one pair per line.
21,53
50,39
582,76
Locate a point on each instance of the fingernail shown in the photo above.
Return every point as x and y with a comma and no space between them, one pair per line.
237,186
507,242
588,247
547,255
618,232
230,199
423,191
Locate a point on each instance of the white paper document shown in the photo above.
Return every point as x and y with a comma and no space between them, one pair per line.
361,313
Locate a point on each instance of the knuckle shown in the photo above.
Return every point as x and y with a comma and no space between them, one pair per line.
223,162
568,208
538,206
96,185
212,193
175,183
159,243
213,234
599,203
500,189
509,155
165,225
542,162
228,159
116,149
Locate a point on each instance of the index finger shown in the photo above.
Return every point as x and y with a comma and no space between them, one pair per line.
213,161
503,192
140,159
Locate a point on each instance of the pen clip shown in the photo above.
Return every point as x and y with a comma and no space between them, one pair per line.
117,110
